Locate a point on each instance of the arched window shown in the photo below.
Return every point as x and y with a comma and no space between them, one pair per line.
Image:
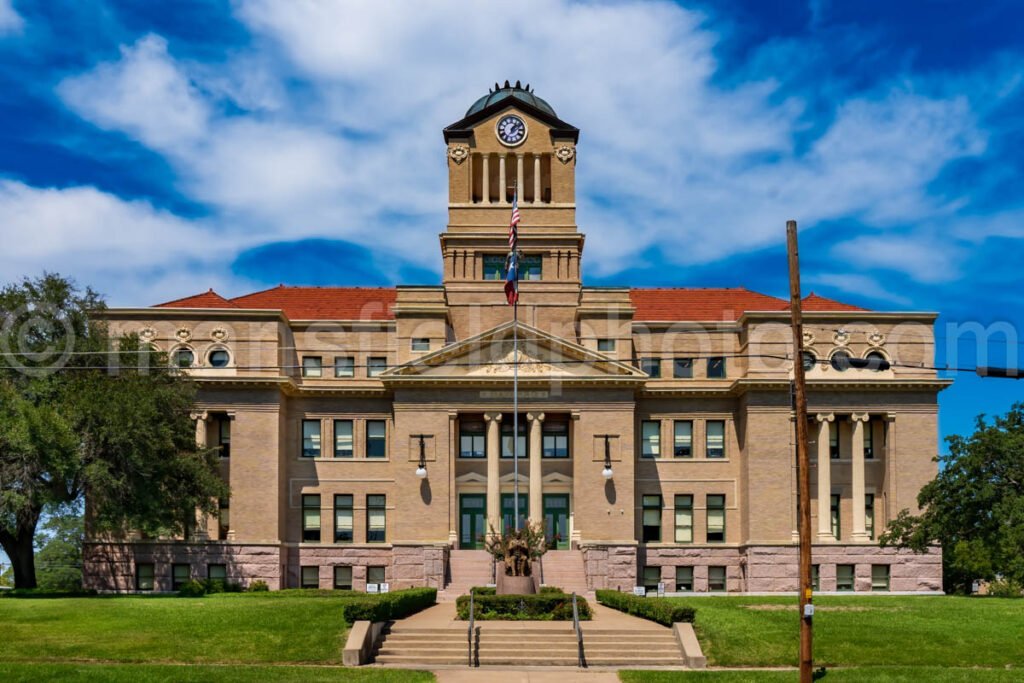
876,360
183,357
840,361
219,358
808,360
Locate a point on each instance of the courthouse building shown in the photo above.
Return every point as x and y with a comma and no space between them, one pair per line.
367,434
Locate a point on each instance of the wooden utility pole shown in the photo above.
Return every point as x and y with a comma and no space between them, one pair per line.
802,464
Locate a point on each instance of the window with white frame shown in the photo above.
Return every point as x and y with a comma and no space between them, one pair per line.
312,366
343,439
650,439
684,518
682,443
715,439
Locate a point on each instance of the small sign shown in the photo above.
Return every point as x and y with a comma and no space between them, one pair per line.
640,591
808,611
372,588
661,590
384,588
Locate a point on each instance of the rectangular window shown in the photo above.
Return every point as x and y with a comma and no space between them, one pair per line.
223,518
652,366
716,518
217,572
494,266
376,439
180,575
343,578
375,575
650,439
376,519
834,509
879,577
716,368
343,438
684,579
869,441
375,365
555,439
606,345
144,576
844,577
311,518
311,438
472,439
506,437
310,577
869,514
223,436
530,268
682,368
682,445
684,519
833,441
343,518
344,366
816,577
716,579
312,366
651,519
652,577
420,344
715,444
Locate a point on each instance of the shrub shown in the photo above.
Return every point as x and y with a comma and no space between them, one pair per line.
484,590
192,589
258,587
388,606
540,607
662,610
551,589
1005,588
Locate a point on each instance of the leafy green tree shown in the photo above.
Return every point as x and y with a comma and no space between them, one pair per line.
59,551
82,413
974,508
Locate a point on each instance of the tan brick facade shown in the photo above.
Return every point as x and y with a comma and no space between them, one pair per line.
429,370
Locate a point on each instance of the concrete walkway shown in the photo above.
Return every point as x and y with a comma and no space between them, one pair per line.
443,615
494,675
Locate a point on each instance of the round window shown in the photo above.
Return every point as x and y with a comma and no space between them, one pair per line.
184,358
841,361
219,358
876,361
808,360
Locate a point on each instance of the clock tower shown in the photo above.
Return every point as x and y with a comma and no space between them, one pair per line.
511,143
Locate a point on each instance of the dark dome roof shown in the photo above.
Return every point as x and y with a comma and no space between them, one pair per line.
517,91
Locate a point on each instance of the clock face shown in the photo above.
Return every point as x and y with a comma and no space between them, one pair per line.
511,130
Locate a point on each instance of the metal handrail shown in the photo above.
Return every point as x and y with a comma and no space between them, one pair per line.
469,634
582,661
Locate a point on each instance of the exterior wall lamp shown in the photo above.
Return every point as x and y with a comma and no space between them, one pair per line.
607,471
421,470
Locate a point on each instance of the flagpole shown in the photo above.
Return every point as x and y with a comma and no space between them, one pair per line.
515,377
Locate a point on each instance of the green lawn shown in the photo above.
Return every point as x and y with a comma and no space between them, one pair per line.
867,631
863,675
96,638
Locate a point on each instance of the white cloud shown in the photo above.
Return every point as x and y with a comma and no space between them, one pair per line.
926,258
858,285
701,170
10,20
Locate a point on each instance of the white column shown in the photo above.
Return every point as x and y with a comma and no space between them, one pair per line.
536,179
200,533
486,170
520,165
824,479
859,522
493,471
536,468
502,187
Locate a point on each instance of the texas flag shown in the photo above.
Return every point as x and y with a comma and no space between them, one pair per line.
512,278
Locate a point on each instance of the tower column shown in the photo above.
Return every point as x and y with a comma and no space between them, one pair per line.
520,165
486,170
536,468
860,532
493,421
824,479
502,187
536,179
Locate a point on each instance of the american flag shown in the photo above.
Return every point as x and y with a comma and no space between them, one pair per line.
513,226
512,262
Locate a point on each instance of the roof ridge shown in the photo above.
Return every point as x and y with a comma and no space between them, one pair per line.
195,296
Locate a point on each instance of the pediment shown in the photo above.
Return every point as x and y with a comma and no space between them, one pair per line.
495,355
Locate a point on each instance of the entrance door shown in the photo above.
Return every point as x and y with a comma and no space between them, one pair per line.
507,501
472,520
556,520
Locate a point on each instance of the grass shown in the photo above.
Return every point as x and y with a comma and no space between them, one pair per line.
167,673
860,675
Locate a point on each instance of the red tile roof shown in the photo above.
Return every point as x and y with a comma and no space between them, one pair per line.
208,299
680,304
305,303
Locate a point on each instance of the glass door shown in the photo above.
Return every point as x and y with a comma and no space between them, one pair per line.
506,510
472,520
556,520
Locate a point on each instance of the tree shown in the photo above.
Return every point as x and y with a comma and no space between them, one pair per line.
81,413
974,508
59,551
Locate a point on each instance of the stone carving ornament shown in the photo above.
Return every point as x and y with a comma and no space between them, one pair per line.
219,334
458,153
876,338
808,339
183,334
147,334
565,153
841,337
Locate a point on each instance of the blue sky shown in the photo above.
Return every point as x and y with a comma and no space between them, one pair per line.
154,153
